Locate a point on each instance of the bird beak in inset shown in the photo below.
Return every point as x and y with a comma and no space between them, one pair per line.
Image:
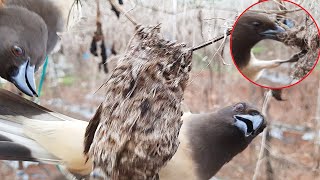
24,79
248,124
273,33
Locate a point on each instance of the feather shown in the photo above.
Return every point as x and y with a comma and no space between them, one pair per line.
140,118
40,134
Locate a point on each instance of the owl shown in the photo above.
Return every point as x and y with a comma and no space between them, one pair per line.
134,132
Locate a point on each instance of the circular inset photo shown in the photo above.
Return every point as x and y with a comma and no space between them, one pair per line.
274,44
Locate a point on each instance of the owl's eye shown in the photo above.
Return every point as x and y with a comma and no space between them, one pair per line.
17,51
239,107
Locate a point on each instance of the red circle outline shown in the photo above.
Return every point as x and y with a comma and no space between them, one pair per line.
267,87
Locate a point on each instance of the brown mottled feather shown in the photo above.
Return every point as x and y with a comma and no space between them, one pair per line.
141,115
91,129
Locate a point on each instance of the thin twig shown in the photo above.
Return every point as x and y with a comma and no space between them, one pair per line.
280,5
276,11
158,10
261,154
120,9
316,130
214,18
266,102
133,6
264,136
212,41
75,3
209,62
98,11
194,8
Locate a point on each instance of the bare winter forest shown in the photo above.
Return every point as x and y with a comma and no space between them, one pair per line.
290,147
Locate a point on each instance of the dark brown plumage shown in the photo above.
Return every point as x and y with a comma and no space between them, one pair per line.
28,33
210,140
277,94
248,31
136,131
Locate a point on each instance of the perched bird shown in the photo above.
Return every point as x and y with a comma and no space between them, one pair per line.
210,140
28,32
135,130
31,132
247,32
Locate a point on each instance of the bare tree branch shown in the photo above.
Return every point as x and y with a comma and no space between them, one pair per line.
276,11
264,136
120,9
228,32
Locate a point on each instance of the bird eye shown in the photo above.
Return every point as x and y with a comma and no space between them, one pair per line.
254,113
17,51
256,23
239,107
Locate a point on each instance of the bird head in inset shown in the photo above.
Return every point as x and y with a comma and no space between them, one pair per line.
23,37
247,32
253,27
